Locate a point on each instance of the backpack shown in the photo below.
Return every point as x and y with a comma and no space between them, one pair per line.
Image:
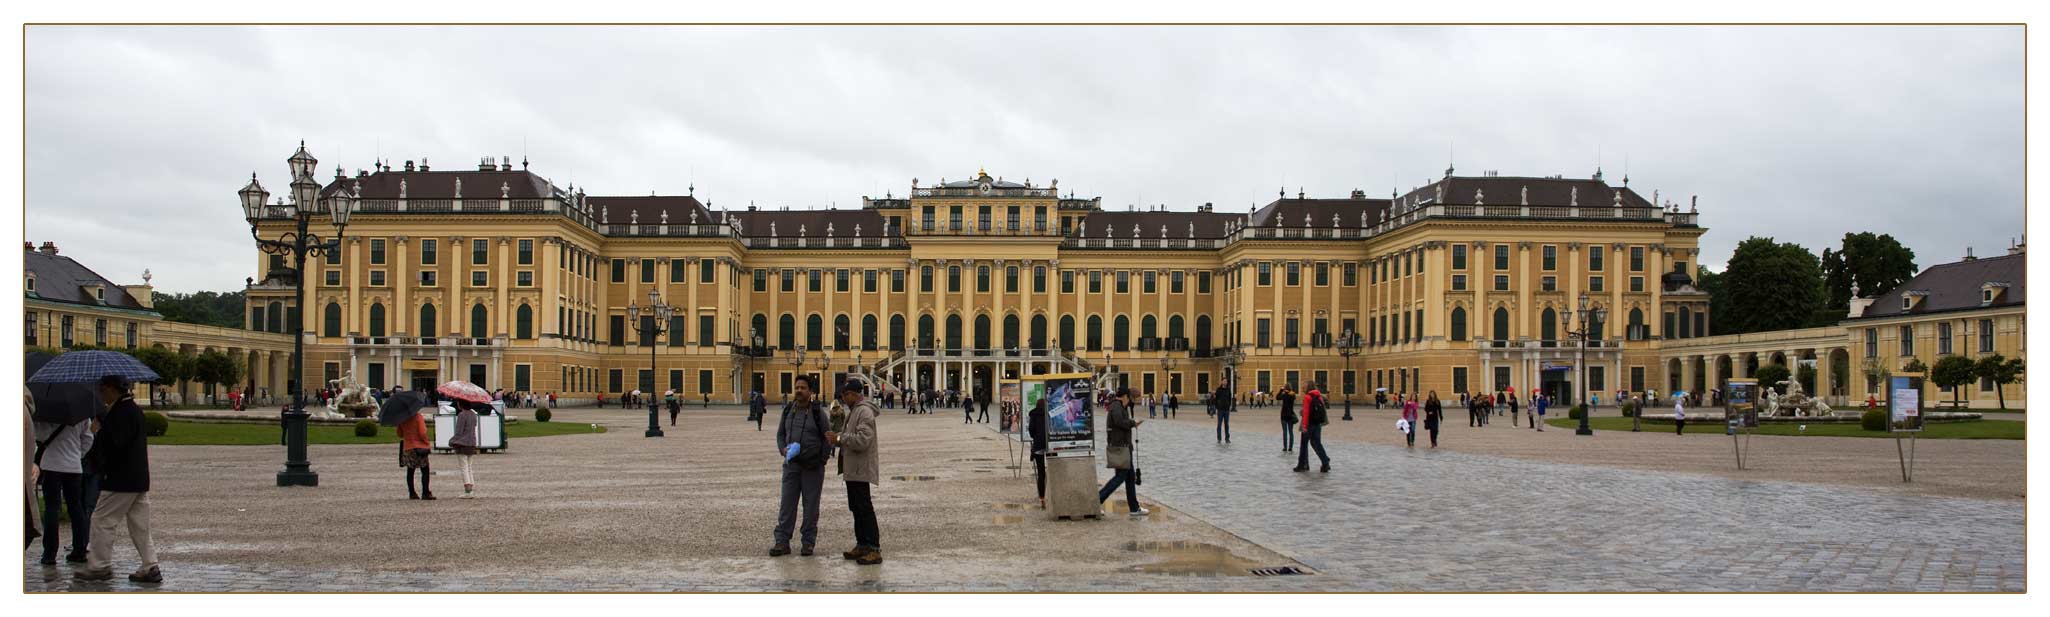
1318,417
1288,415
811,440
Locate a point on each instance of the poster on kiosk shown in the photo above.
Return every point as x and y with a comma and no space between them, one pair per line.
1070,416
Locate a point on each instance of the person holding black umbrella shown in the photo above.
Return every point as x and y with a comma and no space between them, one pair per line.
120,452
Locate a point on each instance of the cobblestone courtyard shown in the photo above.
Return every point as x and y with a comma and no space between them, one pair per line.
692,512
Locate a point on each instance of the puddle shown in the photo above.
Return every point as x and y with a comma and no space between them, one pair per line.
1007,519
1185,558
973,460
915,478
984,470
1014,467
1011,506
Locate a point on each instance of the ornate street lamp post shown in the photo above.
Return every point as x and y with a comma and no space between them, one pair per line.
1348,346
658,315
1167,366
1590,318
297,243
1232,360
795,358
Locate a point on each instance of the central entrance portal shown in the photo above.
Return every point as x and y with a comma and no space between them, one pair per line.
1557,384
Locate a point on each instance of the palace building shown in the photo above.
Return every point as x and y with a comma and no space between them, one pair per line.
498,276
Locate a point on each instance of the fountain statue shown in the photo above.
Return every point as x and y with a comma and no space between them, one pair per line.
351,399
1795,403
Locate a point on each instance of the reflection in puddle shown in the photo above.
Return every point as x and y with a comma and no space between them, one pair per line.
915,478
1184,558
1007,519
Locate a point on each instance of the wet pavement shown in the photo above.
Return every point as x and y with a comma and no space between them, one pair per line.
1395,519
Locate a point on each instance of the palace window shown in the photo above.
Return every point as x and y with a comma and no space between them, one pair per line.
840,282
1636,259
982,218
1266,274
480,252
1501,257
1551,257
333,278
896,281
1202,282
982,279
676,270
1150,284
1636,283
377,251
479,278
1458,282
1943,338
1289,329
1067,281
789,280
1095,281
953,279
1459,257
1595,261
1549,283
618,270
954,219
1501,282
1294,274
1907,336
1261,327
1871,342
1039,279
100,332
868,281
376,278
1013,218
526,252
429,252
1594,283
1124,281
1174,282
1985,336
761,279
1010,279
647,270
814,281
428,278
925,279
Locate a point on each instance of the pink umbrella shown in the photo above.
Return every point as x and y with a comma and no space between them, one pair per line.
464,391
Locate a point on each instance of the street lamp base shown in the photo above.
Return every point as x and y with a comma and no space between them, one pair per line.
653,432
1348,411
298,477
1583,430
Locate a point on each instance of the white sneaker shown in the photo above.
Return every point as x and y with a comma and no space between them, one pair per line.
1141,512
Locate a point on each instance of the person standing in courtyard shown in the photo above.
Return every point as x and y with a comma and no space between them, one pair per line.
463,440
982,401
1434,413
120,454
1119,453
60,454
1679,417
967,410
860,467
1224,402
802,441
669,398
758,406
414,450
1473,411
1538,404
1174,405
1409,417
1316,414
1288,422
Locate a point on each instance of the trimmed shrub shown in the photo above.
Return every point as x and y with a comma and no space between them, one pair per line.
1630,409
542,415
366,428
1874,420
155,424
1577,412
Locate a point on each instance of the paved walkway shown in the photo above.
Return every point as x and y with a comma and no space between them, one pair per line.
1393,519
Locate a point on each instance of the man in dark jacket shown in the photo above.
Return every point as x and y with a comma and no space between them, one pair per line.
758,406
1315,416
1036,424
804,424
120,454
1224,402
1120,437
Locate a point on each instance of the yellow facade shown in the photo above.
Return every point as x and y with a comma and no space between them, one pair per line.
1161,297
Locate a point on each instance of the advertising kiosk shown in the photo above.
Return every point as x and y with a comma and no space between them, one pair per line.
1070,440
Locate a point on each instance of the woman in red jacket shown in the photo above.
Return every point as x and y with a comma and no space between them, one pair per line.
414,449
1409,413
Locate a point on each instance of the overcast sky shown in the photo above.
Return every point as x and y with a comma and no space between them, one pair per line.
138,138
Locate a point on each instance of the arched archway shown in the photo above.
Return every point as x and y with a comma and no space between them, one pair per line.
274,317
928,334
758,329
1095,333
982,336
1147,328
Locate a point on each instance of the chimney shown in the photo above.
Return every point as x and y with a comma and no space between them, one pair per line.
28,246
1968,254
409,164
49,248
2014,248
1359,194
485,164
423,163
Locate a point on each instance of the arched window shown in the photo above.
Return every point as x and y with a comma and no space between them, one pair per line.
331,320
786,332
1596,326
1038,338
427,322
377,320
523,322
1174,327
1501,325
841,325
1147,328
1548,325
1202,332
897,331
868,333
815,332
480,322
1067,333
1120,333
1636,325
1458,323
274,317
954,332
1095,333
758,330
1011,331
927,332
1686,324
982,332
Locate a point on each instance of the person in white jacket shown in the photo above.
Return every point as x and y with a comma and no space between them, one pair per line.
62,450
1679,417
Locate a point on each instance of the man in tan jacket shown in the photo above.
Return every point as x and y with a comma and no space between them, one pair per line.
860,469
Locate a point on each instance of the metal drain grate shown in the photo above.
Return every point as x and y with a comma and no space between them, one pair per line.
1280,571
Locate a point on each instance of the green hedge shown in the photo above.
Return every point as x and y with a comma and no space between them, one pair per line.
1577,412
1630,409
543,415
1874,420
366,428
156,424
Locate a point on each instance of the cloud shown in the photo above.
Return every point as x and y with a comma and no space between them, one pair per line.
138,137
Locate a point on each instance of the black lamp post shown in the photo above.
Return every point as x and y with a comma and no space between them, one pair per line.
1167,366
297,243
1590,318
1232,358
658,315
1348,346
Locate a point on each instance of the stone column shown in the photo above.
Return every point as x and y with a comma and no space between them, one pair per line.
396,275
355,315
504,283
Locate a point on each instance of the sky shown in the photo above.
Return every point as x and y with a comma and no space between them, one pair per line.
138,137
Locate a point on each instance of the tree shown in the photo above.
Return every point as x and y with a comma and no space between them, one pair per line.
1953,372
2002,371
1806,375
1770,376
1877,263
206,308
1769,286
1718,298
213,368
171,367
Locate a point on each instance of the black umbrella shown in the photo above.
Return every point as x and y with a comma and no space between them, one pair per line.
63,403
400,407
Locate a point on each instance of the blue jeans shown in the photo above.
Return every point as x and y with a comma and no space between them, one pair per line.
1313,438
1287,435
1224,426
61,491
1120,476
